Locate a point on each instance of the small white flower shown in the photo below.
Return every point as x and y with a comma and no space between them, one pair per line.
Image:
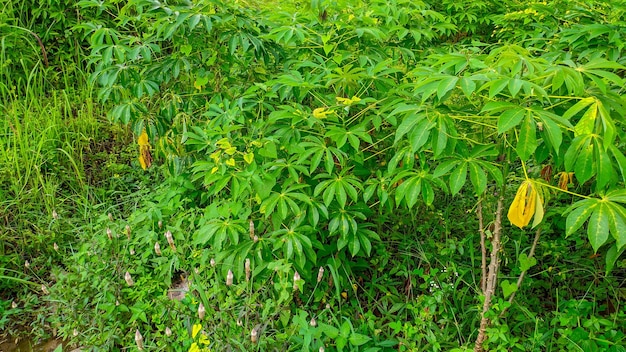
55,215
55,246
110,217
313,322
296,278
44,289
320,274
168,332
109,233
213,262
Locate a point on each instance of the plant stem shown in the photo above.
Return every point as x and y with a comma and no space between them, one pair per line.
483,247
521,276
492,276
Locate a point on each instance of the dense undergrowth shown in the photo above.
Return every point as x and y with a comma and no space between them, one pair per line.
319,175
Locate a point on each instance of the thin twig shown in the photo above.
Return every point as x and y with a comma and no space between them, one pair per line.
521,276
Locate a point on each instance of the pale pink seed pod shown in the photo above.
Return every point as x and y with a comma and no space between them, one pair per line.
170,240
109,234
117,303
55,215
168,331
13,305
213,262
139,340
127,228
313,322
55,246
157,248
247,267
44,289
201,311
296,278
160,224
129,279
229,278
320,274
322,349
110,217
251,230
26,264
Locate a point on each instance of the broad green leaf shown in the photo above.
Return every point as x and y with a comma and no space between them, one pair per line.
420,133
598,227
553,132
477,177
458,178
583,103
497,86
446,85
617,224
510,119
579,215
604,168
587,122
527,142
583,169
407,124
525,262
611,257
467,86
358,339
515,85
508,288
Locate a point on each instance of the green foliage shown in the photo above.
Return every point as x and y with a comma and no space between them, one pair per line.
341,135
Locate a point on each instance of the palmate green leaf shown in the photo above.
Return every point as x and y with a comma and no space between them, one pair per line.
583,169
468,86
510,118
527,142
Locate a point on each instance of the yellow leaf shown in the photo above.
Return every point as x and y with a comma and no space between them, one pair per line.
231,150
143,139
194,348
320,113
248,157
195,330
523,207
145,158
230,162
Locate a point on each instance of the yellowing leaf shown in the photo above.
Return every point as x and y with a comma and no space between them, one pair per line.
145,158
320,113
194,348
248,157
230,162
231,150
195,330
524,205
565,178
143,139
